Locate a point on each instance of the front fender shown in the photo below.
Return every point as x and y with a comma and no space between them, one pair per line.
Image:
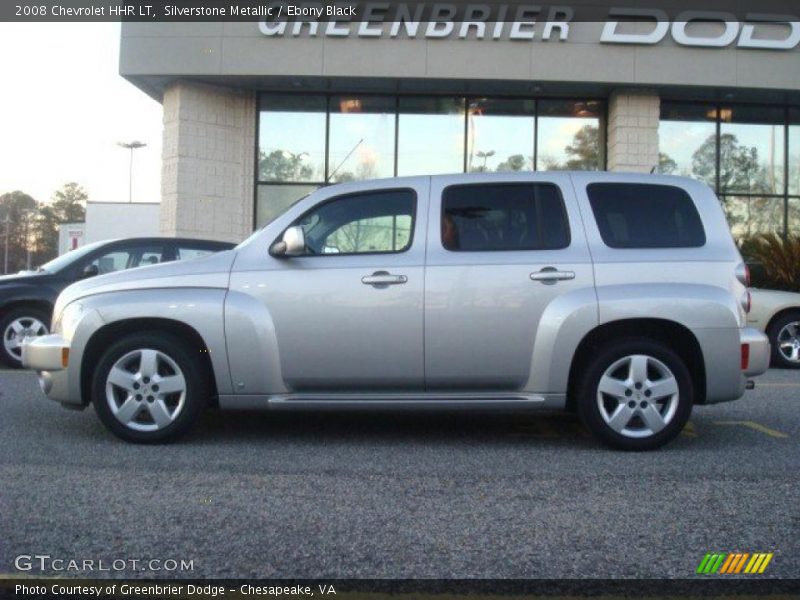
255,363
199,308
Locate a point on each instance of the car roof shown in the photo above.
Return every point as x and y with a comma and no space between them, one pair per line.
162,239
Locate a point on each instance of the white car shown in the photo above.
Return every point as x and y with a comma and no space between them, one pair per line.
778,315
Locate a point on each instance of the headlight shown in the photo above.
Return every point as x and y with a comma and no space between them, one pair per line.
68,320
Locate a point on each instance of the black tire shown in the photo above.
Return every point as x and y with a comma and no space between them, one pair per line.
8,359
195,398
773,331
588,398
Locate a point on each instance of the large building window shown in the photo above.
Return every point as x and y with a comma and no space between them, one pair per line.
430,136
741,152
500,135
570,136
751,150
794,152
688,141
291,138
362,131
309,140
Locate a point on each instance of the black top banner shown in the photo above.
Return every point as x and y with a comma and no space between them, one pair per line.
377,11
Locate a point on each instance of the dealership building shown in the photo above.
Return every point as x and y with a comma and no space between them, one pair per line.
258,114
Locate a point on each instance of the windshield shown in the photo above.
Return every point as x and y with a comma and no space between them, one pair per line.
70,257
264,226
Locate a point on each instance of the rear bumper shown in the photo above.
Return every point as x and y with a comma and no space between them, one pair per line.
48,355
758,351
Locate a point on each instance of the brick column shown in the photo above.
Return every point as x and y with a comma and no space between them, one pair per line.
208,159
633,131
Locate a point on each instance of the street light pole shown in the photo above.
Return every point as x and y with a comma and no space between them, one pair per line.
5,254
134,145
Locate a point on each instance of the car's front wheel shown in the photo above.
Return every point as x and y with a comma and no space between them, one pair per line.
784,337
635,394
150,388
17,325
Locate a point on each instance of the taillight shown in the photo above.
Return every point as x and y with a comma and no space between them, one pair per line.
746,301
745,356
743,274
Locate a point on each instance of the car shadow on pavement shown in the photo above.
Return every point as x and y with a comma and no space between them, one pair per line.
427,427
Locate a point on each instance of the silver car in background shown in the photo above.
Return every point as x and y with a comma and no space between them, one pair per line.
621,297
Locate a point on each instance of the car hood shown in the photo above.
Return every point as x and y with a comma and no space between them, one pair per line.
211,271
22,278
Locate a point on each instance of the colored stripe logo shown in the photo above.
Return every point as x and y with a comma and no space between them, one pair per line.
732,563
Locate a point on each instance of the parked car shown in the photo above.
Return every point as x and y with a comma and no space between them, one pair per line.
621,297
27,299
778,315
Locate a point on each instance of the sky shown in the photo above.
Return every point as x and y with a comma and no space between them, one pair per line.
64,107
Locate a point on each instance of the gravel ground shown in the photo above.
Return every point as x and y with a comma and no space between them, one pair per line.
401,495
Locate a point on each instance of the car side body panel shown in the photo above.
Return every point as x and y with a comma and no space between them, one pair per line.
768,303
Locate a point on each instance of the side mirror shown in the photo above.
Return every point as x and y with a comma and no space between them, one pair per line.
293,243
89,270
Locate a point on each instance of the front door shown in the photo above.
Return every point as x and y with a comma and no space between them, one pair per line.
348,314
503,258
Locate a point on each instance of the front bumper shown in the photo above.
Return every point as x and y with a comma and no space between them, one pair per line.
48,355
758,351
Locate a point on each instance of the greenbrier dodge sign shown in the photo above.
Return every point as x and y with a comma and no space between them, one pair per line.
522,22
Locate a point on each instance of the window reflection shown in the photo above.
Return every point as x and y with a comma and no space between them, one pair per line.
361,138
273,200
751,148
794,216
291,138
431,136
687,137
569,136
753,215
500,135
794,151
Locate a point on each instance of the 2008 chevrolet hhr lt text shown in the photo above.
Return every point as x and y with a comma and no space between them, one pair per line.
621,297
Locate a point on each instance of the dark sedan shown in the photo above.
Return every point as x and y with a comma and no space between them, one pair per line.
26,299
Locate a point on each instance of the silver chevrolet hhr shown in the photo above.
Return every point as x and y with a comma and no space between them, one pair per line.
621,297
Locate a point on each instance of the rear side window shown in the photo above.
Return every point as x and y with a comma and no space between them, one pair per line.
634,215
492,217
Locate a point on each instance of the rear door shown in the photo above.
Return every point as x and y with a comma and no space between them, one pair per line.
500,255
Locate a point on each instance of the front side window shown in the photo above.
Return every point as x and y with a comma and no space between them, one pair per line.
633,215
368,223
493,217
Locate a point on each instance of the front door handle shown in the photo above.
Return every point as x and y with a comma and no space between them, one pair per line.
550,275
383,278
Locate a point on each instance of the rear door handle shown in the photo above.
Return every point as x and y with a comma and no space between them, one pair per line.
383,278
550,275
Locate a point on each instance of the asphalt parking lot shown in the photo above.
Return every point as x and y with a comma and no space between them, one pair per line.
401,495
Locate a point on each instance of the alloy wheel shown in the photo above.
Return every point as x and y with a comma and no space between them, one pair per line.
637,396
789,342
18,330
146,390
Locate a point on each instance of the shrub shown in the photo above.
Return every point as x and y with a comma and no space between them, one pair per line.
775,261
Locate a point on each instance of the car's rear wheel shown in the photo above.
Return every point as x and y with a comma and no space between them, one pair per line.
16,325
784,337
635,394
150,388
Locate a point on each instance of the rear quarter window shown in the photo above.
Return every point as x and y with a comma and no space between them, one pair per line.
635,215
